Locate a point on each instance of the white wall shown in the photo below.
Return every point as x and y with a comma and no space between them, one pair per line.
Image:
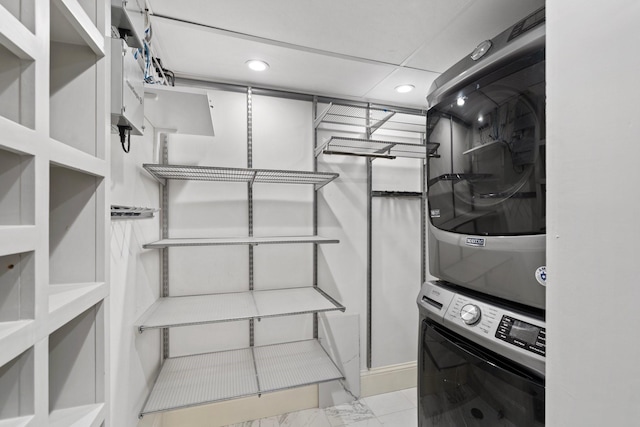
593,66
135,275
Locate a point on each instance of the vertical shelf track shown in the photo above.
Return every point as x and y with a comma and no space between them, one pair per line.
315,212
250,203
164,220
369,242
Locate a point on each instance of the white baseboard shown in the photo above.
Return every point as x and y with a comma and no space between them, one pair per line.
388,379
245,409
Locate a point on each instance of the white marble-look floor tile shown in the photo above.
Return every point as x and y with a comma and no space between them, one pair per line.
407,418
371,422
412,395
388,403
263,422
348,413
307,418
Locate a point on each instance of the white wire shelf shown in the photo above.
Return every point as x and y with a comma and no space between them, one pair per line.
211,377
373,118
374,148
163,172
229,241
201,309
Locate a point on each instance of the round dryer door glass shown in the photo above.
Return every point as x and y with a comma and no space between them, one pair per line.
489,175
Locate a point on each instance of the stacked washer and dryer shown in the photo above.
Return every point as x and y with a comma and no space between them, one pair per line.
482,339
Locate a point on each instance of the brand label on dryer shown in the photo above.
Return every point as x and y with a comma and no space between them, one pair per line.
541,275
435,213
475,241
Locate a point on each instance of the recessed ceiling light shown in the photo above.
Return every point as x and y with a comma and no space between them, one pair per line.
257,65
405,88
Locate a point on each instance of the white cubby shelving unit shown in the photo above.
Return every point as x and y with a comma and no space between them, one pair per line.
207,377
53,218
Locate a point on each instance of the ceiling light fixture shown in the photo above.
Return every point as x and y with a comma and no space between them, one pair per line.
405,88
257,65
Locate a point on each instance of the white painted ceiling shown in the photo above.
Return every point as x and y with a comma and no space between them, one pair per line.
353,49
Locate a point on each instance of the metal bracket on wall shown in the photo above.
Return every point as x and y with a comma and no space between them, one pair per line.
131,212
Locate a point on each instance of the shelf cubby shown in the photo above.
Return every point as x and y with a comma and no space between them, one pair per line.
63,155
73,246
79,416
23,11
17,303
74,22
17,287
76,367
188,381
17,80
201,309
17,239
18,386
66,301
17,189
73,73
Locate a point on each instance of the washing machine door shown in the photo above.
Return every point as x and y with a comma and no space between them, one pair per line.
463,384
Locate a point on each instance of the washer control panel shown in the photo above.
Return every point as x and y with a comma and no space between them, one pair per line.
470,314
512,334
473,315
522,334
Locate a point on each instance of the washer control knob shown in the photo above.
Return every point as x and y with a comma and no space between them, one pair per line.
470,314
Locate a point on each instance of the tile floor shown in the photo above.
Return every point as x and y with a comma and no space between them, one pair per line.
396,409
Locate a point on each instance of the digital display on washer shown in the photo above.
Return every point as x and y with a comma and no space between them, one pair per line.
522,334
524,331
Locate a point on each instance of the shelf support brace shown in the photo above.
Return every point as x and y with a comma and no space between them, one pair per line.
323,147
382,121
321,116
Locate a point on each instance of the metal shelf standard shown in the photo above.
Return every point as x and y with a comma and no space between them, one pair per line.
162,172
189,381
201,309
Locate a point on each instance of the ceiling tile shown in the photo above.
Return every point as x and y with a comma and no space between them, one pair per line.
202,53
483,20
385,89
381,30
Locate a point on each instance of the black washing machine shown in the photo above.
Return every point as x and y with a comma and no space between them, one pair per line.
479,362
